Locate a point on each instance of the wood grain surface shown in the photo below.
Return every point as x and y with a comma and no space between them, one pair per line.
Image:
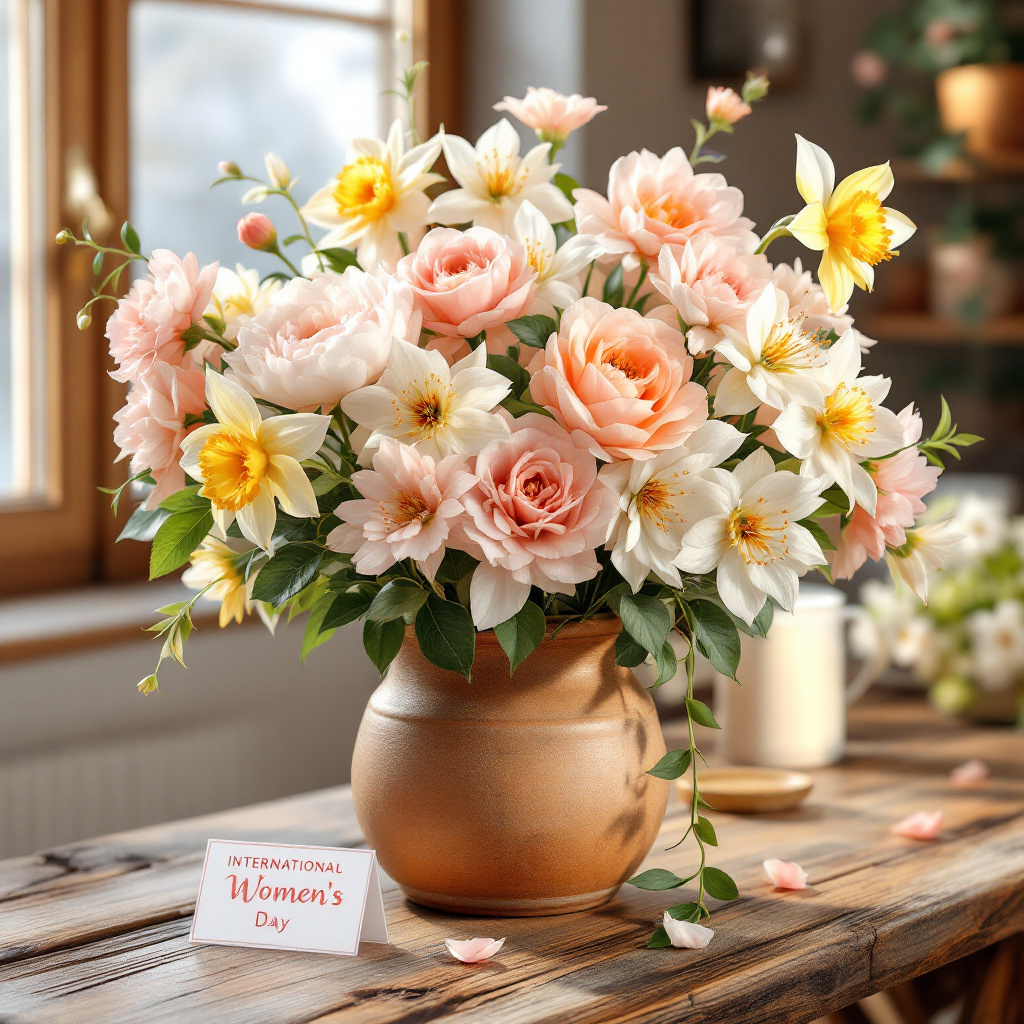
97,931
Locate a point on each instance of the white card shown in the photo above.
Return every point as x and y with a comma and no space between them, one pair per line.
315,899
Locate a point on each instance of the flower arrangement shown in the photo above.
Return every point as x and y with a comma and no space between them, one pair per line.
968,641
521,399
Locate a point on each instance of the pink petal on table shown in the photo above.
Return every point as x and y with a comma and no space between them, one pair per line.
472,951
970,775
685,934
919,825
784,874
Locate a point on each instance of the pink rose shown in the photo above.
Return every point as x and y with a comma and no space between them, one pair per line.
655,201
712,284
151,427
257,231
147,326
551,114
620,379
534,519
467,281
725,105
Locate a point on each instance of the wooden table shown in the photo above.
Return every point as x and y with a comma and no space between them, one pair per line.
97,931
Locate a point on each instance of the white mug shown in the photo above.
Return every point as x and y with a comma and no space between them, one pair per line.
790,709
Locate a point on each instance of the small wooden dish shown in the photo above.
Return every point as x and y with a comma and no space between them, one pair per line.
743,790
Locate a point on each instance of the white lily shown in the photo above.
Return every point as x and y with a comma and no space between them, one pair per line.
660,499
926,550
378,194
771,359
245,462
238,296
844,426
496,181
753,537
419,400
558,269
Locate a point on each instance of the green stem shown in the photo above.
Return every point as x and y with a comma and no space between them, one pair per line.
287,262
639,283
305,226
780,229
695,798
702,136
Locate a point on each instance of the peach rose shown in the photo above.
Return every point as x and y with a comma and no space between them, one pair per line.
535,517
655,201
467,281
551,114
620,379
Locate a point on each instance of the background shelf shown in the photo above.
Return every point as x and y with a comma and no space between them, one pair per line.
920,328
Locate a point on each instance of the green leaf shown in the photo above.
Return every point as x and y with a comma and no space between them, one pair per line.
382,641
339,260
533,330
396,599
349,606
701,713
612,292
567,184
765,616
522,634
314,634
685,912
628,653
130,238
97,264
705,831
509,368
656,879
446,636
716,635
292,569
667,663
647,619
660,939
454,566
143,525
672,765
825,542
179,535
718,884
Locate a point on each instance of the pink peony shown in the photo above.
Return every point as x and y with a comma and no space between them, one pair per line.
725,106
257,231
323,338
653,201
784,874
620,379
807,300
919,825
467,281
534,519
551,114
151,426
971,774
407,510
147,326
902,481
712,285
472,951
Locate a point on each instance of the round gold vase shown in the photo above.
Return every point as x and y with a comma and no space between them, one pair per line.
519,796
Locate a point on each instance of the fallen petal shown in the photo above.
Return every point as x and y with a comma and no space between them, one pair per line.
686,935
472,951
970,775
784,874
920,825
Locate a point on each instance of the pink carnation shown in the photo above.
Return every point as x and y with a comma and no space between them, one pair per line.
535,517
408,508
902,482
725,105
653,201
467,281
551,114
712,284
619,379
147,326
151,427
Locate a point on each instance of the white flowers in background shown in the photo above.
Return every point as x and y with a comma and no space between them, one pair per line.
558,269
846,425
660,499
496,181
378,194
771,359
421,401
277,171
927,549
997,644
754,538
984,524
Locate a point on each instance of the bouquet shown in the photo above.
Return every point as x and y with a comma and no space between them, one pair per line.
516,399
968,641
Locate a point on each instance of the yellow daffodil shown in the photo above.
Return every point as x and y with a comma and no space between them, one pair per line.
219,567
244,462
847,223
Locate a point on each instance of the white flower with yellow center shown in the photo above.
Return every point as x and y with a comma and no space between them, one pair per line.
217,566
926,550
997,644
496,181
244,462
558,269
847,223
771,359
237,297
753,537
660,499
420,401
844,426
379,193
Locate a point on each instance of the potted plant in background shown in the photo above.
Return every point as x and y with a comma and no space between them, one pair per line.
431,423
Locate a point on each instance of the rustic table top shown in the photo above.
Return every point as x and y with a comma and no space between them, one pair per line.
98,931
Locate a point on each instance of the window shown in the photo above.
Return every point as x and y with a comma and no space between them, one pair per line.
118,107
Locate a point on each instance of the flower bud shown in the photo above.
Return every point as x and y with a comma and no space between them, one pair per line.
724,106
229,169
277,171
84,321
257,231
64,236
755,87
